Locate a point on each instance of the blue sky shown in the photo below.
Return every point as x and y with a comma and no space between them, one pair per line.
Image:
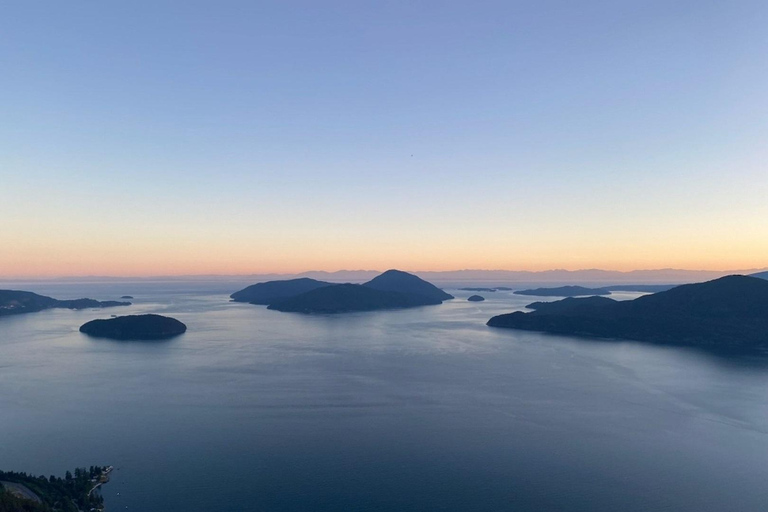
217,137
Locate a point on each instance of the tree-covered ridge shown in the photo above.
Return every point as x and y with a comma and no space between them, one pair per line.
73,493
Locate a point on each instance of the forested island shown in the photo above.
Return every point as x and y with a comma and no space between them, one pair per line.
135,327
393,289
728,313
14,302
73,493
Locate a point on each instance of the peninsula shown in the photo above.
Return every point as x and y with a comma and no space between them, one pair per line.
726,313
74,492
134,327
14,302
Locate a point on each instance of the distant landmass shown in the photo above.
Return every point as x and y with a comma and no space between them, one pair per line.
14,302
564,291
126,297
649,288
271,291
730,312
476,298
343,298
761,275
392,289
533,279
478,289
134,327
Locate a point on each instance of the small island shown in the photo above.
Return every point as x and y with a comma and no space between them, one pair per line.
74,492
476,298
126,297
478,289
726,313
135,327
15,302
564,291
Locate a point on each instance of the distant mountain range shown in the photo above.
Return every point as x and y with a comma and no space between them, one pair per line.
460,278
729,312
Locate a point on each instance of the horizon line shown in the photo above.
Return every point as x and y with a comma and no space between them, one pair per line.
252,274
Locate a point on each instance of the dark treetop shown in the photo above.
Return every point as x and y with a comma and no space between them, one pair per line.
271,291
342,298
730,312
476,298
52,494
399,281
135,327
13,302
564,291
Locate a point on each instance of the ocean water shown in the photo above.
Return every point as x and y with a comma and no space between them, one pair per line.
415,410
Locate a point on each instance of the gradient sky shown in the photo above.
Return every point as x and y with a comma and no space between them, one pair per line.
149,138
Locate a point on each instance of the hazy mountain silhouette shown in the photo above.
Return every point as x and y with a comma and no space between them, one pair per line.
564,291
271,291
13,302
343,298
761,275
135,327
730,312
399,281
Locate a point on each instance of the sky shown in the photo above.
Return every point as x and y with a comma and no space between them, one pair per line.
232,137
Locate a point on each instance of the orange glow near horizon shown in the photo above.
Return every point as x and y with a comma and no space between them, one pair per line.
179,258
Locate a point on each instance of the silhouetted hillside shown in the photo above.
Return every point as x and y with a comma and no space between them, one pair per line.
342,298
271,291
403,282
728,312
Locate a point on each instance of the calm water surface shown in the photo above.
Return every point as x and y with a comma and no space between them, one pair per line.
425,409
